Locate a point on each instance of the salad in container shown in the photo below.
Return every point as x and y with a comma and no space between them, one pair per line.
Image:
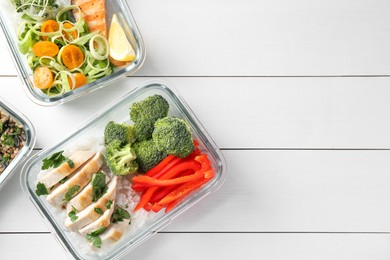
17,139
125,174
66,48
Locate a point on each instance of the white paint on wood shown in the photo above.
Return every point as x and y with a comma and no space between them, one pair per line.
221,246
246,112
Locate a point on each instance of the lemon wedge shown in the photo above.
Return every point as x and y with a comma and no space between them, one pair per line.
120,47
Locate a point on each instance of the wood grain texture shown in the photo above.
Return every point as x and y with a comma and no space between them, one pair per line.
260,37
270,191
309,113
221,246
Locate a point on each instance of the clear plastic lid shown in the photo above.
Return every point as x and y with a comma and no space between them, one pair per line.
21,120
9,23
139,231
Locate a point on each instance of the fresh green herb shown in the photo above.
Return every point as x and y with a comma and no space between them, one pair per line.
1,126
8,140
94,238
5,159
63,180
55,160
119,215
41,189
98,211
71,191
108,204
72,215
99,186
127,205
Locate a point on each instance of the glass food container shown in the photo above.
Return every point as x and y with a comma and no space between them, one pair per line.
10,21
20,120
118,111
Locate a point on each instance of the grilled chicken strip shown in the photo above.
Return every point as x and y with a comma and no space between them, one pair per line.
83,199
80,178
113,233
89,215
52,177
103,221
93,13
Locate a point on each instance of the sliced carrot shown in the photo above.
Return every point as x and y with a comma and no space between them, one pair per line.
72,56
43,77
70,33
49,26
45,48
80,79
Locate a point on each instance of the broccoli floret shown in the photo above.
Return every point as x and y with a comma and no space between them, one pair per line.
173,136
148,155
145,113
121,159
124,133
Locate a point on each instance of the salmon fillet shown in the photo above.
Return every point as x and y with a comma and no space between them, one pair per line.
93,13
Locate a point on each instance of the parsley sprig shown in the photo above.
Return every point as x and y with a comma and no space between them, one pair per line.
55,160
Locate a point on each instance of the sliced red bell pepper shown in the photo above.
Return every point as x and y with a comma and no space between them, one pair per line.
146,180
185,189
160,166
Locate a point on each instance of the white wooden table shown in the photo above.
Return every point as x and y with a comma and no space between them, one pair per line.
297,95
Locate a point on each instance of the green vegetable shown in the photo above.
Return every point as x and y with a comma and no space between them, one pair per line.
8,140
94,238
1,127
36,9
72,215
99,186
124,133
119,215
108,204
145,113
5,159
64,180
56,160
71,192
148,155
121,160
173,136
41,189
98,211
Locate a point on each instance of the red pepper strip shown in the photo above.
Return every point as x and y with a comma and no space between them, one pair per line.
163,191
174,162
156,208
148,207
172,205
156,182
137,188
204,161
185,189
145,198
160,166
196,143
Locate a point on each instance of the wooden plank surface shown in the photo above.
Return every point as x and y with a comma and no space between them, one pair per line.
270,191
303,113
222,246
260,37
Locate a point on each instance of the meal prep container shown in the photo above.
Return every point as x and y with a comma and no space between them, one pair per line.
127,21
118,111
28,146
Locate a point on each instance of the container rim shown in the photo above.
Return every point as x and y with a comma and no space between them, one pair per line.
146,233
